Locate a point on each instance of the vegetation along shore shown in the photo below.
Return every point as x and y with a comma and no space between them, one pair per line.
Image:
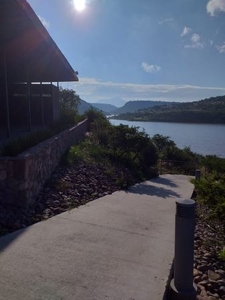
210,111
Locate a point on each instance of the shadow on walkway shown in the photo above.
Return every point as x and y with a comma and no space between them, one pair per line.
5,240
164,181
150,190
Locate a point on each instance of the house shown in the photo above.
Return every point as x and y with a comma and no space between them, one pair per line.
30,62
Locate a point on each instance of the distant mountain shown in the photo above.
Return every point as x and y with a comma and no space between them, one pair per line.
105,108
129,107
133,106
116,101
84,106
211,111
108,108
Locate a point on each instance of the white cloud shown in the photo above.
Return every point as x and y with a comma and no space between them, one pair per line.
214,6
150,68
44,22
169,20
185,31
195,42
195,38
221,48
92,90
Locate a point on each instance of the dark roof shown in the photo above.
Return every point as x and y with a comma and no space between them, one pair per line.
28,46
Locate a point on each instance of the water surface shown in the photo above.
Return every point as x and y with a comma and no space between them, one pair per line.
206,139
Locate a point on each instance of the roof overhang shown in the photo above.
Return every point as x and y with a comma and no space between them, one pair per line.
27,49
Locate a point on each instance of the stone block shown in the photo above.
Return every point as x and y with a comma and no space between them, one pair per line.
23,185
21,168
24,199
2,166
3,174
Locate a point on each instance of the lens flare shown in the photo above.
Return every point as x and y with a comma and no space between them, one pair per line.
79,4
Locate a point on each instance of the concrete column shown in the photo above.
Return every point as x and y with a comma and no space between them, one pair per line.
182,286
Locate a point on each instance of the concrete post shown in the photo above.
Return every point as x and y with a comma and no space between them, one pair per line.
182,286
197,174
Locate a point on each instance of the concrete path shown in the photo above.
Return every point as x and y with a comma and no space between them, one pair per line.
119,247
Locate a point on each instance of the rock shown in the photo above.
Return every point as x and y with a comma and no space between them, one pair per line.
200,287
203,283
207,254
203,268
221,272
222,290
221,282
203,293
213,276
197,279
204,277
209,286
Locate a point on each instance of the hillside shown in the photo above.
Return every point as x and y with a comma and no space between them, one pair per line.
116,101
104,107
133,106
108,108
210,110
84,106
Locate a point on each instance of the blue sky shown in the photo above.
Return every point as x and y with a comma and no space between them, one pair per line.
140,49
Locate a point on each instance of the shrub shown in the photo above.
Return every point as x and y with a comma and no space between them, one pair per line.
210,191
222,254
214,163
120,145
133,148
174,159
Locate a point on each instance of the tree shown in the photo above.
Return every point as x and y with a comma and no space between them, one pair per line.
163,143
133,147
69,102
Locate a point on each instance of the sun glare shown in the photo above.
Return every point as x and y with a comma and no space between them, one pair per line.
79,4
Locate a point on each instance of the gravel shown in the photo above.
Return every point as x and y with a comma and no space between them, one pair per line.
209,270
69,187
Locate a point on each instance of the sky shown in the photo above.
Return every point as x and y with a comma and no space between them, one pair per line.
140,49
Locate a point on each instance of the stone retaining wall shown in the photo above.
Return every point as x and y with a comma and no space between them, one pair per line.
22,177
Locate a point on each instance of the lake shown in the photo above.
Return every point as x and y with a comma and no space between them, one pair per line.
206,139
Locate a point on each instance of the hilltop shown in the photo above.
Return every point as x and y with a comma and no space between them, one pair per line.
128,107
133,106
211,110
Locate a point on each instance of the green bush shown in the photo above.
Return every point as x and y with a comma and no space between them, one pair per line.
210,191
120,145
173,159
163,144
222,254
133,148
214,163
86,151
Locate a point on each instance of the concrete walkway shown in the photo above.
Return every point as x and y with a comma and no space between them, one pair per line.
119,247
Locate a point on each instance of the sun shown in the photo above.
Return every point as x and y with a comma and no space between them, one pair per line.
79,4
